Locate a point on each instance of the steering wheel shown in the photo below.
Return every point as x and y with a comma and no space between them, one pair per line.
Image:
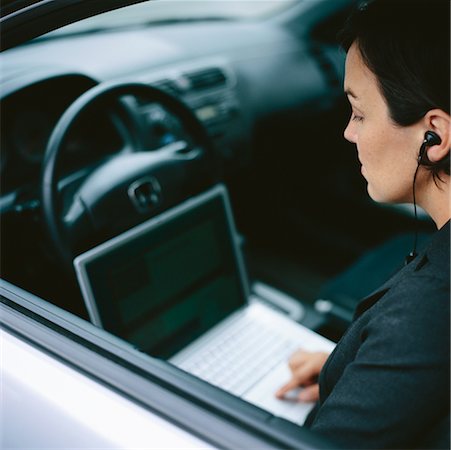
129,186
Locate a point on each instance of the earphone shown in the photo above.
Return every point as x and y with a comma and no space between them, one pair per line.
430,138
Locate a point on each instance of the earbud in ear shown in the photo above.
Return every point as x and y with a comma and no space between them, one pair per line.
430,138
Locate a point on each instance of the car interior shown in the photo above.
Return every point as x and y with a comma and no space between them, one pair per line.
112,120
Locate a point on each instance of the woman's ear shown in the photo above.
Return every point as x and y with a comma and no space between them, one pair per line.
439,122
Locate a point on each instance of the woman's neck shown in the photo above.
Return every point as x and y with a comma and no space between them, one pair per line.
435,200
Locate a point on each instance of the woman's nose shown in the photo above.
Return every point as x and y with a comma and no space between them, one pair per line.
349,133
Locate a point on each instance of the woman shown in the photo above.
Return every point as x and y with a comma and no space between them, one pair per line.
386,385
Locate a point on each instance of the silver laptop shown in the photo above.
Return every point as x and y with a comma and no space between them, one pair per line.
175,286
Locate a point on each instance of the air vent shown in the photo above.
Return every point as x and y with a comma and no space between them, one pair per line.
167,86
206,79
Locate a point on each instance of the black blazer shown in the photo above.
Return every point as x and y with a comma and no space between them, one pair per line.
387,383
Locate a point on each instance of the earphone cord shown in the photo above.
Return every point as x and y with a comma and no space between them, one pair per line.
414,251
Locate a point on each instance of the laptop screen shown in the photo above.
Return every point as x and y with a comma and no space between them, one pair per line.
165,282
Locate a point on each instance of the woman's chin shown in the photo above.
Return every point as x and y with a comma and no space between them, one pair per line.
374,194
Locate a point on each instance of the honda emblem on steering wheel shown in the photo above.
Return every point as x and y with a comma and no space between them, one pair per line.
145,194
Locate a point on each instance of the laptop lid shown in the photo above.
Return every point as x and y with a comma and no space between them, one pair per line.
163,283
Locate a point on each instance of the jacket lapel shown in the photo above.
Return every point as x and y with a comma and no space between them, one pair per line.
376,295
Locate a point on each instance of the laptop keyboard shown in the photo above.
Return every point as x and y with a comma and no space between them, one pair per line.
236,360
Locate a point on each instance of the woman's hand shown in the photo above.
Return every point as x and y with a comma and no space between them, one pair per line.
305,368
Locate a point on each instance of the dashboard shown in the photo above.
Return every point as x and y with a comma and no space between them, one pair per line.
221,82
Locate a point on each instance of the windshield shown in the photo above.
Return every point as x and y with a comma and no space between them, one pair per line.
155,11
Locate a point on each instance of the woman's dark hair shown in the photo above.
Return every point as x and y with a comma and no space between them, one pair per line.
406,44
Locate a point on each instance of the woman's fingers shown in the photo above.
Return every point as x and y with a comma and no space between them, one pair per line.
309,393
305,368
298,358
301,376
301,357
292,384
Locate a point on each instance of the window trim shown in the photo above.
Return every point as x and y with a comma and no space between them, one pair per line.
26,22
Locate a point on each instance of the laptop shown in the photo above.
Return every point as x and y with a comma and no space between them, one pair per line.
175,287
